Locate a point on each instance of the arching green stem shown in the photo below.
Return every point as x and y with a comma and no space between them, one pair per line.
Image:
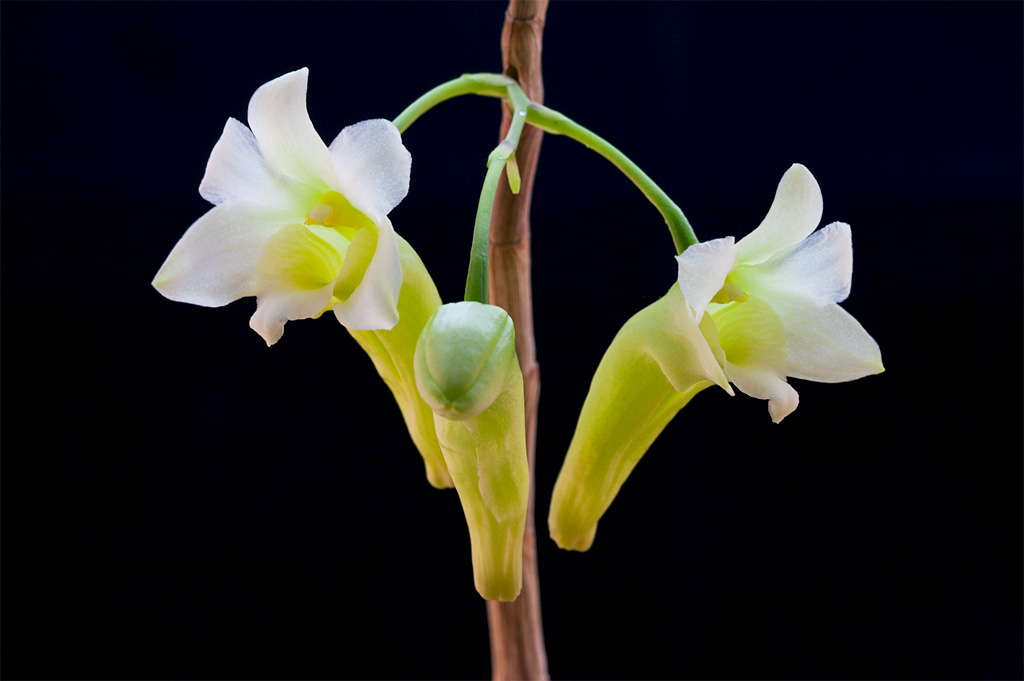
485,84
492,85
476,279
553,122
550,121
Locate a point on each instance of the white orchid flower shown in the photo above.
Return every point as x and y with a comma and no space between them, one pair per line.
300,225
773,298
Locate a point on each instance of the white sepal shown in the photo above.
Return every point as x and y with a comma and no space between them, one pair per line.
794,214
818,270
237,172
370,166
827,344
703,268
214,263
280,122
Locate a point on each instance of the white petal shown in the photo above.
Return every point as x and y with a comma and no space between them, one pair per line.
238,172
295,276
763,384
214,263
280,122
275,308
683,349
827,344
370,166
703,268
374,302
794,214
753,338
817,270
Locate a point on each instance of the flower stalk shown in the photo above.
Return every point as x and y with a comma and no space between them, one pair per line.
484,84
477,280
554,122
516,631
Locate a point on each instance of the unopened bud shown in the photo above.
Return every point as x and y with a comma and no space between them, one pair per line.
464,357
467,371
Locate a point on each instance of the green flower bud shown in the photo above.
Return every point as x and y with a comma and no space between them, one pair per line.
656,363
467,371
393,353
463,358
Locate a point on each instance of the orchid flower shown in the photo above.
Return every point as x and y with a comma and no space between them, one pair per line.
468,372
654,366
304,228
300,225
773,298
752,313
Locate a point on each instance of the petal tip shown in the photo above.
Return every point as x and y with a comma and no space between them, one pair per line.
779,411
269,329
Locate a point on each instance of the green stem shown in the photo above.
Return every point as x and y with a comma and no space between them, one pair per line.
486,84
492,85
551,121
477,278
548,120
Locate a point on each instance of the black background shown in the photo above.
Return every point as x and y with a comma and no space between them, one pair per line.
181,501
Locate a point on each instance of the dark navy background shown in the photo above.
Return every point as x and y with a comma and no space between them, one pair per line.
180,501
